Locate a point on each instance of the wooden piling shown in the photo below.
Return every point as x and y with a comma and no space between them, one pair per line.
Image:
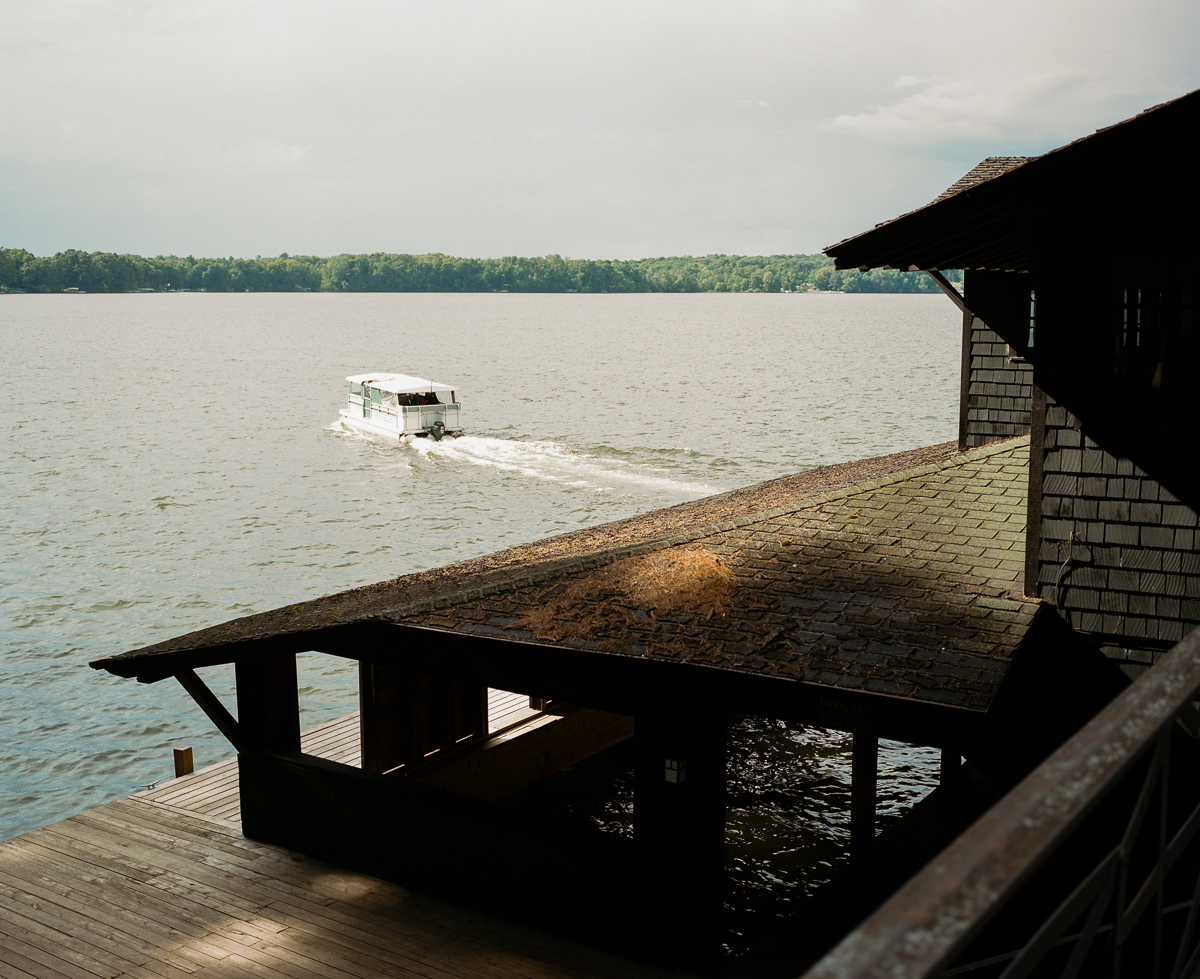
183,762
864,779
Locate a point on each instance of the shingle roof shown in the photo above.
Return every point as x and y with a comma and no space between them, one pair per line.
873,578
908,585
492,570
1098,186
993,166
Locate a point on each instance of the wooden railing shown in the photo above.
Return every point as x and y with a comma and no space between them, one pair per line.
1089,867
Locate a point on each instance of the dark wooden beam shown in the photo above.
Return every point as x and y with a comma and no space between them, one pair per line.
679,826
948,288
608,681
381,720
1033,511
269,701
215,710
964,385
951,763
616,683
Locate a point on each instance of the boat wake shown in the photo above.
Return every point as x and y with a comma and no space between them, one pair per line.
603,469
555,463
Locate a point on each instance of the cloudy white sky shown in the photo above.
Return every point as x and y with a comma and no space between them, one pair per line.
588,129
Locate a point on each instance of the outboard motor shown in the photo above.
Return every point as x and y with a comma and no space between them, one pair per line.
437,430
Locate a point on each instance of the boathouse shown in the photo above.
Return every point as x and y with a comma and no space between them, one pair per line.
881,598
893,598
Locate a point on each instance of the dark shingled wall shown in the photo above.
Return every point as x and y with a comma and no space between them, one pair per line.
1118,554
998,392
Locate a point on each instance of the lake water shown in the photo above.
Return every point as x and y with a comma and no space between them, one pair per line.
173,461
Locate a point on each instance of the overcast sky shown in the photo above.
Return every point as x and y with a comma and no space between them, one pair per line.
587,129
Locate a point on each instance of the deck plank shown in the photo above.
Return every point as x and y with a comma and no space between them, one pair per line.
144,888
162,885
105,907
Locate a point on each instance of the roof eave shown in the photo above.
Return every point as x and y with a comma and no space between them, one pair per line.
891,244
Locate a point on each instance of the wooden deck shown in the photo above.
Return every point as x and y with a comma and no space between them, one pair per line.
162,885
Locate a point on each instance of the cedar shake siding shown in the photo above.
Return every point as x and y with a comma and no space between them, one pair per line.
998,389
1117,552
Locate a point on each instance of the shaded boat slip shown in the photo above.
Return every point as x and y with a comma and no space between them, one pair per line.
882,598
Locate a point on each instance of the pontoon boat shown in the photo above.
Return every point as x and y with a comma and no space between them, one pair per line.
396,405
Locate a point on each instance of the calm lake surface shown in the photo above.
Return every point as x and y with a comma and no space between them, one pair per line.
173,461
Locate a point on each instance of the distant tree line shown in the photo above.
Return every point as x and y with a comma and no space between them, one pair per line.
106,272
877,280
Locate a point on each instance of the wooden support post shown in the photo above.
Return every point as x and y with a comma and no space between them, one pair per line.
269,702
471,709
864,778
964,384
679,827
381,721
1033,499
447,729
479,706
183,762
951,763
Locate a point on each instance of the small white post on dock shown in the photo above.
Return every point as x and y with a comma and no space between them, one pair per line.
183,762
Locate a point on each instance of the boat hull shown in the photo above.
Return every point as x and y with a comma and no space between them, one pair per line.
372,427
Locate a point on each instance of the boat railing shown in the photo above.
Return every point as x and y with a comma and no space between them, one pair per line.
1088,867
409,418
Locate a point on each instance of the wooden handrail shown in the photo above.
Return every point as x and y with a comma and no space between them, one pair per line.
920,930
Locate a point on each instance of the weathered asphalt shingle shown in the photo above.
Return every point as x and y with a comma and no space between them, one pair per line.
988,168
909,586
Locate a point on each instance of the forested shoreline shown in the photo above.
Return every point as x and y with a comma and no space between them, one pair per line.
21,271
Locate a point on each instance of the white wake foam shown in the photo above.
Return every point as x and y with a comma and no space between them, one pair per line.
552,462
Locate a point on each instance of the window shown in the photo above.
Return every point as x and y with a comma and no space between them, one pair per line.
1145,312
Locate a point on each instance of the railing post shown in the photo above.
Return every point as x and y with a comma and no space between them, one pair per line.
864,784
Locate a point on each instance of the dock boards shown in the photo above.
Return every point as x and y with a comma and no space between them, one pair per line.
145,887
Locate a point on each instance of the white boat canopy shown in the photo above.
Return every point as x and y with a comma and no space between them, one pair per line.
400,383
